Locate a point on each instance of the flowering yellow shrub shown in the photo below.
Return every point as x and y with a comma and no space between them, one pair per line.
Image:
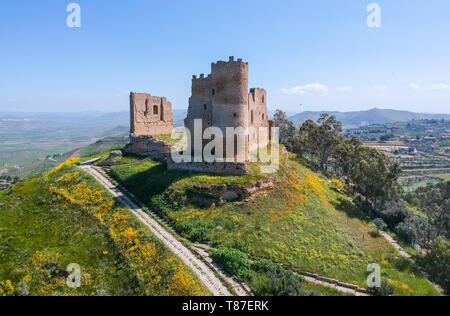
161,273
338,184
6,288
400,288
66,163
45,276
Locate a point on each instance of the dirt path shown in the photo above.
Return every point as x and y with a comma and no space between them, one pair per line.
204,273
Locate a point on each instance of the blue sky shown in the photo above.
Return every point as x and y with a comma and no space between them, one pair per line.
308,55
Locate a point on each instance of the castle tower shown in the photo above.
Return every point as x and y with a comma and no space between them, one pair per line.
221,100
229,83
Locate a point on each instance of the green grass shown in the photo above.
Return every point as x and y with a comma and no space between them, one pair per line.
322,290
303,223
178,137
32,220
150,178
104,145
445,177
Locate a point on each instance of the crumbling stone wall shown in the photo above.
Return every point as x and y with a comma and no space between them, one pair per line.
221,168
150,115
148,146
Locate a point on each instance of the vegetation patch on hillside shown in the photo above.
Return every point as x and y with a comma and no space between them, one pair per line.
304,221
61,217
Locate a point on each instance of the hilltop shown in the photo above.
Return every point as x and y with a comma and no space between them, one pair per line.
297,218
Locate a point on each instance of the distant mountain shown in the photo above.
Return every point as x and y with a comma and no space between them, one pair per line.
374,116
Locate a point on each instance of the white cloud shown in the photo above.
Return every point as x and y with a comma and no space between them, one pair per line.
382,88
434,87
316,88
414,86
440,87
344,89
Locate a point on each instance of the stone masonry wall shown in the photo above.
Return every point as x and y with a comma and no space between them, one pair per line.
150,115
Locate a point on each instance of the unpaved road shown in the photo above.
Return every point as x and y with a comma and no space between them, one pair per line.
204,273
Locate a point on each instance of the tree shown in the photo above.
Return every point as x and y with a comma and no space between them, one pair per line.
344,153
322,138
375,175
435,203
438,260
416,231
288,132
394,213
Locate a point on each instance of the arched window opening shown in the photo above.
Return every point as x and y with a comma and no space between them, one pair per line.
155,110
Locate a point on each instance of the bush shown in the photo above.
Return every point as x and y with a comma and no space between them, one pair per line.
394,213
385,289
286,283
416,231
160,203
438,263
264,265
379,224
196,229
234,262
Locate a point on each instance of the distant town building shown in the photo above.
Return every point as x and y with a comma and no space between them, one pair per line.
429,139
433,148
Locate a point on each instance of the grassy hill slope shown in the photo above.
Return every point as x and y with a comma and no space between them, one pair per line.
303,222
62,217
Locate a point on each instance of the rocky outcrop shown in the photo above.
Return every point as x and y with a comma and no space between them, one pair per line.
219,194
149,147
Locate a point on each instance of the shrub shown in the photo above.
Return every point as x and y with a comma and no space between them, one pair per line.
264,265
416,231
285,283
438,263
234,262
379,224
385,289
160,203
196,229
394,213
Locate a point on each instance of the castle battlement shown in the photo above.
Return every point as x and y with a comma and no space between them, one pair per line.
222,99
231,60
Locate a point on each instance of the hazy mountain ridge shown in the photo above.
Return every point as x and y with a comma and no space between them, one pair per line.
373,116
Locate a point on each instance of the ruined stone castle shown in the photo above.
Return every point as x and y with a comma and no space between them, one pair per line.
149,116
222,99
